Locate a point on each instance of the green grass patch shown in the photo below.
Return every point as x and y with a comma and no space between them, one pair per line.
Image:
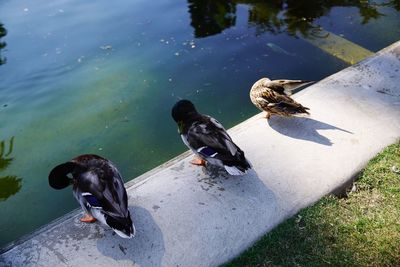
360,230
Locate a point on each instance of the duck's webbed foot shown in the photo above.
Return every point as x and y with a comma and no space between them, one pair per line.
88,219
268,115
198,161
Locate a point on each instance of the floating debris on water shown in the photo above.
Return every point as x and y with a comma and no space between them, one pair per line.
106,47
279,50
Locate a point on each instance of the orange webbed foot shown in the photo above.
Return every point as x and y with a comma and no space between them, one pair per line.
198,162
88,219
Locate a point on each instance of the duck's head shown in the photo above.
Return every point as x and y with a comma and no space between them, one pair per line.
263,82
182,110
58,177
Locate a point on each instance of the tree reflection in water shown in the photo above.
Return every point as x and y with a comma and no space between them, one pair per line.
211,17
9,184
3,33
290,16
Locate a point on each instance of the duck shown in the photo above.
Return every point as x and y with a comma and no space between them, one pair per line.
98,187
208,139
273,97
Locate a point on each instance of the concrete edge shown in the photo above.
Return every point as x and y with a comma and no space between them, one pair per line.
38,231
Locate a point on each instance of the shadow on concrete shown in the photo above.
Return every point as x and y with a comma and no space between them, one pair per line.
303,128
233,211
145,249
248,186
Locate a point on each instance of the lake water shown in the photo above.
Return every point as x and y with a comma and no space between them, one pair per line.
100,77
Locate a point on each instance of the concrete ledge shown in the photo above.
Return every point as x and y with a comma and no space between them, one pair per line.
189,216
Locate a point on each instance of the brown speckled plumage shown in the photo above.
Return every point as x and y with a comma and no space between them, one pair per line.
274,98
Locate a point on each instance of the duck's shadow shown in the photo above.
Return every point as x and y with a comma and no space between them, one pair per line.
145,249
216,179
303,128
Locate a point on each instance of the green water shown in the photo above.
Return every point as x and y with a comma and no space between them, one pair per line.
97,77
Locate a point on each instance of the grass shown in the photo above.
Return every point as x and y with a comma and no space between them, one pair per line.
362,229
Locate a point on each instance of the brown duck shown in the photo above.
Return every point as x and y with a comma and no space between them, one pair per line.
274,98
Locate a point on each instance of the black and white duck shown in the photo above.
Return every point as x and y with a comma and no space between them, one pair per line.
274,98
99,189
208,139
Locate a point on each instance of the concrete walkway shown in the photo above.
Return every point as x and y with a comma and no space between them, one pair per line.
189,216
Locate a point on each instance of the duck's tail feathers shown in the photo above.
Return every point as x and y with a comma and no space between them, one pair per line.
290,85
239,169
302,109
58,177
122,226
290,108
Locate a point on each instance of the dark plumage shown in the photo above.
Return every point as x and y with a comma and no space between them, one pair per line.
99,189
208,139
274,98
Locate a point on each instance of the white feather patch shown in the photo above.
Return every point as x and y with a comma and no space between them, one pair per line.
232,170
98,215
122,234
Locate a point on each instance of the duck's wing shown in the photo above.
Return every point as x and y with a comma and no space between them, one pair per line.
280,104
285,87
275,97
209,135
106,187
269,97
104,195
211,141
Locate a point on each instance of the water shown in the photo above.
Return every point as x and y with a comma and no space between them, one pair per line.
94,77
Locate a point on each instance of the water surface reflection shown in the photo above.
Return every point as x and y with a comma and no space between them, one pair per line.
9,184
292,17
3,32
211,17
